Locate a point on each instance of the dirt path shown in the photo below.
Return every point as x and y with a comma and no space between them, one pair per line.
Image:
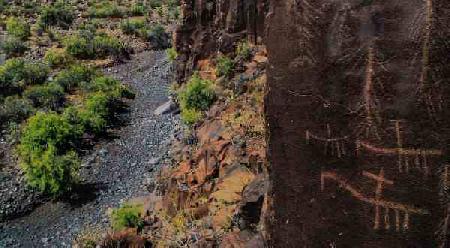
115,171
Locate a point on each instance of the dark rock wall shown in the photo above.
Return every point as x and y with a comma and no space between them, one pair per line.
211,26
358,112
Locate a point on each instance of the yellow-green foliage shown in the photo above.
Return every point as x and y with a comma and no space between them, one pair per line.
244,50
172,54
18,28
46,154
127,216
196,96
57,58
58,14
224,66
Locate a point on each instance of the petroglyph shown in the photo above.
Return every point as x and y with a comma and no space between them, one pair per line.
407,158
378,202
334,146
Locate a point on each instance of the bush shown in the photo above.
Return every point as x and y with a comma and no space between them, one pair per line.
79,47
105,9
155,3
60,14
57,58
190,116
198,94
98,46
224,66
95,114
16,73
110,86
105,45
172,54
49,96
132,26
127,216
15,109
18,28
13,47
243,50
158,37
75,76
137,10
45,153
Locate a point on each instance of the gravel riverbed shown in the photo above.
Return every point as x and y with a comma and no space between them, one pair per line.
116,170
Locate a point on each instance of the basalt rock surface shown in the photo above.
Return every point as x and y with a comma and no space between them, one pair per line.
357,107
211,26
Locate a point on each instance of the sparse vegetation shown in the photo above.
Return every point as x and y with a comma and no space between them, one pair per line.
13,47
172,54
106,9
57,58
224,66
59,14
127,216
18,28
196,96
244,50
89,46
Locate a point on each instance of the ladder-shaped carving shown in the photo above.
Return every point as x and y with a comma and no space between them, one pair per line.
334,146
382,207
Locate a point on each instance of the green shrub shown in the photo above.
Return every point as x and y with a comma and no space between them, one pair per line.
224,66
137,10
59,14
155,3
95,113
198,94
105,45
15,109
74,76
109,86
132,26
158,37
79,47
49,96
16,73
18,28
57,58
172,54
13,47
244,50
106,9
127,216
45,153
98,46
190,116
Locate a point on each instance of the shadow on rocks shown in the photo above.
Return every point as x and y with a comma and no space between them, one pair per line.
82,194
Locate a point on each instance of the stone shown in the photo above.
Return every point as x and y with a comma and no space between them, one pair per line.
166,108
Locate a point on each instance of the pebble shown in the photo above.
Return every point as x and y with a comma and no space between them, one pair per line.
120,173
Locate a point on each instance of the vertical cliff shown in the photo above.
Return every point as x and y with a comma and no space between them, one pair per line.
211,26
357,107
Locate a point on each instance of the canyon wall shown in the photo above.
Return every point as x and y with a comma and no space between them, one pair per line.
357,108
212,26
357,112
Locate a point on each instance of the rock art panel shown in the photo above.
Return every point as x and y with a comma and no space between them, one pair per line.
357,107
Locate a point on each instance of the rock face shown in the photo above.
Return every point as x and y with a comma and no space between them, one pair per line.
358,106
211,26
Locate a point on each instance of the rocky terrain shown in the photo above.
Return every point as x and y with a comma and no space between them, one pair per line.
117,169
